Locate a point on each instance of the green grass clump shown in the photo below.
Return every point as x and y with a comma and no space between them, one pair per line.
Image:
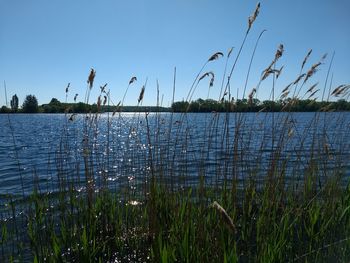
270,225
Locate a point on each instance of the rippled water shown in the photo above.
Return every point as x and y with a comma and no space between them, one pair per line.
47,149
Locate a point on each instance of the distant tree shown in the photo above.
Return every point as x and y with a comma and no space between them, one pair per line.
4,109
54,106
14,103
55,101
30,104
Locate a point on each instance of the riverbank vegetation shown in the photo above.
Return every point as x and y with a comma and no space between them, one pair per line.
256,105
240,188
199,105
55,106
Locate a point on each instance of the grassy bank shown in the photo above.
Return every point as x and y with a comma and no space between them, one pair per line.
273,224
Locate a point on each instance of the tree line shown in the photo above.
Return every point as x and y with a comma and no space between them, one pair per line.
255,105
30,105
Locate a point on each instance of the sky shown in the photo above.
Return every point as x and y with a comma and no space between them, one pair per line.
44,45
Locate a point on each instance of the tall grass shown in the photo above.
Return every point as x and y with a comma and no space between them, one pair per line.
257,187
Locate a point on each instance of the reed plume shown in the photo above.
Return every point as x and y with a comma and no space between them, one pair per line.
132,80
340,90
306,58
67,88
251,95
299,78
313,93
269,70
284,94
103,88
91,78
141,94
314,68
207,74
287,87
253,17
279,72
312,87
215,56
98,101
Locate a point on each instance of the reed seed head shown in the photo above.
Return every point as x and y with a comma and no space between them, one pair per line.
313,93
103,88
279,52
252,18
67,88
132,80
91,78
142,93
216,56
299,78
312,87
99,101
207,74
306,58
278,73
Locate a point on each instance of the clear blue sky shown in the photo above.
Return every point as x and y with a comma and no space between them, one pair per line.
46,44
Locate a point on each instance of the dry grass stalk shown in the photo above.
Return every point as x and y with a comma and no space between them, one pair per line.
328,107
216,56
313,93
290,132
225,217
299,78
341,89
142,93
253,17
117,108
98,101
103,88
262,110
312,87
284,94
91,78
306,58
229,52
287,87
279,72
289,104
251,95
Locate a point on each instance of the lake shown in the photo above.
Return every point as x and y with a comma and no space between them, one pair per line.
49,150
